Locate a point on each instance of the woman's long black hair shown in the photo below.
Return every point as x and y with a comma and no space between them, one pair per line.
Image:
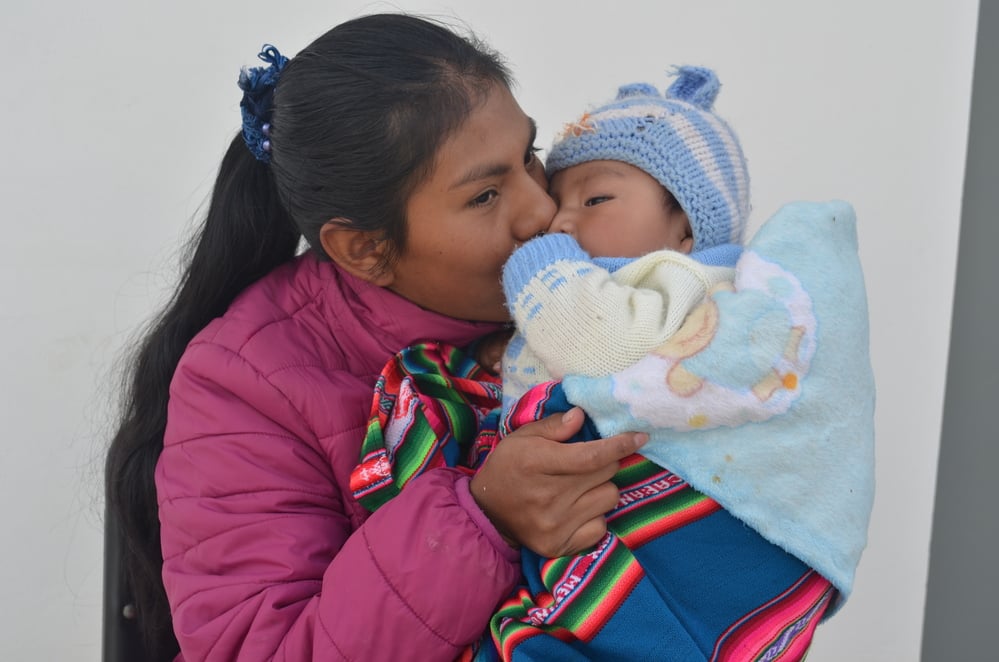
357,118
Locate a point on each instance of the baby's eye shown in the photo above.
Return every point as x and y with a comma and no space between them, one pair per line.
483,198
532,155
596,200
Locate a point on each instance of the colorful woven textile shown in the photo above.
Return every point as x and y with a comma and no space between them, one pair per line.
430,403
676,577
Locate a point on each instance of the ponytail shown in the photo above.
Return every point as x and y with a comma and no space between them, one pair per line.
246,234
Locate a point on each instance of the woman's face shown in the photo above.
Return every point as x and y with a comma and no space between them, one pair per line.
485,196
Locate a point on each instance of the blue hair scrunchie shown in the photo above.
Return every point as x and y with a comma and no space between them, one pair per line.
258,96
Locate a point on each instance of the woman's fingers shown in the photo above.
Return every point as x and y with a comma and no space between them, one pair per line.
587,535
598,501
557,427
581,458
588,522
594,456
548,495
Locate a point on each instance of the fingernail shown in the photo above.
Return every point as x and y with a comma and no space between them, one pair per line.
641,438
567,416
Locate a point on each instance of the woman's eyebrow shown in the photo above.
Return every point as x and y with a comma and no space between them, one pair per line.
487,170
481,171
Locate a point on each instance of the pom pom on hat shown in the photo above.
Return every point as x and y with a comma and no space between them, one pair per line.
678,140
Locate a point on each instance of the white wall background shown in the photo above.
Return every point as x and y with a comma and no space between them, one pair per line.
114,115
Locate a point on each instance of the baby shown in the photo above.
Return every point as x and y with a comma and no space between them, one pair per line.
642,306
653,196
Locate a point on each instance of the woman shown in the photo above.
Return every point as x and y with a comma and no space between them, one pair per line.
395,148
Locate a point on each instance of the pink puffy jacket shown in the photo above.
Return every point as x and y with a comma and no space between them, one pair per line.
266,554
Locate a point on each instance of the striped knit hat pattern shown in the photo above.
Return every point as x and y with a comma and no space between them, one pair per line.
678,140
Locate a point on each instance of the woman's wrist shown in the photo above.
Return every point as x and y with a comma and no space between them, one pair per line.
465,490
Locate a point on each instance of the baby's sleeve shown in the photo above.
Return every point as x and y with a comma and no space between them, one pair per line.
579,318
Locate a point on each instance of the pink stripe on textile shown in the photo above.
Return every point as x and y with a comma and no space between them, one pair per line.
781,629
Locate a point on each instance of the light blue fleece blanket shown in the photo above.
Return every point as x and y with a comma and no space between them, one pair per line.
764,400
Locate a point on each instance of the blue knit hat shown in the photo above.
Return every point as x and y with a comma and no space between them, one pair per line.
678,140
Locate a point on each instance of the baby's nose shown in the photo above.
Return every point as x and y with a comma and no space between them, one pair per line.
563,222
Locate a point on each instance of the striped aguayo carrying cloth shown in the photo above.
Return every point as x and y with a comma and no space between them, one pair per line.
675,578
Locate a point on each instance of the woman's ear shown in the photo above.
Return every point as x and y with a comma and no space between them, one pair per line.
360,252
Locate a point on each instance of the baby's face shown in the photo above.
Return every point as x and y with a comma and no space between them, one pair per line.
614,209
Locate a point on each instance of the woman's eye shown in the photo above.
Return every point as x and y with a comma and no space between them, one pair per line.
596,200
483,198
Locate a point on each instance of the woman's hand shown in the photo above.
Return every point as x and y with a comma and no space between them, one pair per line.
548,495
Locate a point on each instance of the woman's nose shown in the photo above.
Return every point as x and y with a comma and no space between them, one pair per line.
538,213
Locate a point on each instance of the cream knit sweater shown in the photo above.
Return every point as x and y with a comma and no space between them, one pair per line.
575,317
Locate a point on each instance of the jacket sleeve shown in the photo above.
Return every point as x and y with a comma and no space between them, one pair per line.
262,560
579,318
